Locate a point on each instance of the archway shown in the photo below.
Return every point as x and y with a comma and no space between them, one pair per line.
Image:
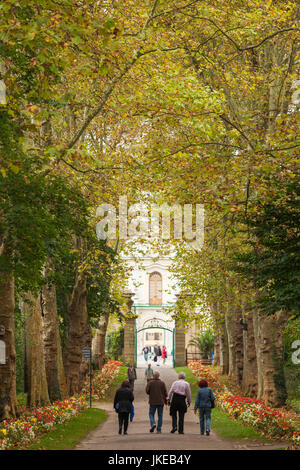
155,331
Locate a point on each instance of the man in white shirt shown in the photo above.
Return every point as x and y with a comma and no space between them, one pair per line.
179,393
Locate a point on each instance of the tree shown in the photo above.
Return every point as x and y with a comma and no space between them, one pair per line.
204,342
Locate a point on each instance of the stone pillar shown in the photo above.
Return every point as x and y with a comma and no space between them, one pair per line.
180,354
129,332
180,336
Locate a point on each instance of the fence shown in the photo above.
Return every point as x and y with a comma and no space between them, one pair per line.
196,356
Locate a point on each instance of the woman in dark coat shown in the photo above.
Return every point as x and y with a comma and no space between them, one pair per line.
122,404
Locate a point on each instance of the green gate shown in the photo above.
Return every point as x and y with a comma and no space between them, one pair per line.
154,328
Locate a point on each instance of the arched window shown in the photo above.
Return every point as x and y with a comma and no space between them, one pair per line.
155,289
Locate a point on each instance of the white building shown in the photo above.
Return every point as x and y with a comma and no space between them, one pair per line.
155,292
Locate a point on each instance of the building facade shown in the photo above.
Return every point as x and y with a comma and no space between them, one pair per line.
154,295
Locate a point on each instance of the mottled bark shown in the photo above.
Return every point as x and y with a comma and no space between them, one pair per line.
269,349
57,386
217,340
249,380
224,353
238,346
235,342
99,341
8,401
35,363
77,318
230,329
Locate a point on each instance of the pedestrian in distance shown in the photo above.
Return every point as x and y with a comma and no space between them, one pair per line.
131,376
179,394
205,401
123,402
156,353
159,354
145,351
164,354
157,391
149,373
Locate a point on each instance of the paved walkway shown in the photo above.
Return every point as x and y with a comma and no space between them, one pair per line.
106,436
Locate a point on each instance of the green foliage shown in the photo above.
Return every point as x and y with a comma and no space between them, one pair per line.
114,343
273,263
291,370
204,342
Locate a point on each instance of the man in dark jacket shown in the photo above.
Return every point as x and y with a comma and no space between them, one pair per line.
157,391
131,375
122,404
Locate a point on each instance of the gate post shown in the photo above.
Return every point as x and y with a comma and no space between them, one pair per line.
180,357
129,332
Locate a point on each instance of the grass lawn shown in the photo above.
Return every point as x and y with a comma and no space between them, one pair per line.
67,435
221,423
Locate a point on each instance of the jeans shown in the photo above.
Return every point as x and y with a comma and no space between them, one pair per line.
160,410
205,415
146,356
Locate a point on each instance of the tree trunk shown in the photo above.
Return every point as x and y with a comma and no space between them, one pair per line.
77,317
35,362
217,341
8,400
238,346
99,342
224,353
230,329
249,380
57,386
269,350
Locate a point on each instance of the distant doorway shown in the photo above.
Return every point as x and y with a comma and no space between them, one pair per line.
152,336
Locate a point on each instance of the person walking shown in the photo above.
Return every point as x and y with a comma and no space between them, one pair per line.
145,351
159,354
123,405
157,391
131,376
149,373
179,393
164,354
205,401
156,353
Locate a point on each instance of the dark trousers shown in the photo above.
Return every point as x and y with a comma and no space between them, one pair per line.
178,407
180,420
123,419
131,383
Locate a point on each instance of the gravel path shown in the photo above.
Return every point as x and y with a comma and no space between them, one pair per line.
106,436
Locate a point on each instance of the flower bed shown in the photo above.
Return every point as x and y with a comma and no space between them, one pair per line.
19,432
268,421
102,380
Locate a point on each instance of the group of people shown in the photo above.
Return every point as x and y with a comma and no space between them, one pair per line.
155,352
178,399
